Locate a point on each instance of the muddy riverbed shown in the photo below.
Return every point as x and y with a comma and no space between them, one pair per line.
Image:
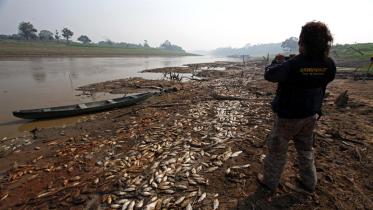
201,146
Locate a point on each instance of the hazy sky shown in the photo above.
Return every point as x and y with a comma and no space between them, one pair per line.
192,24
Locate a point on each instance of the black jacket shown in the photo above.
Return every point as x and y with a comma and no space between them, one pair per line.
301,85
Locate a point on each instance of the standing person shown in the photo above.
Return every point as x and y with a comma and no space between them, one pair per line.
302,81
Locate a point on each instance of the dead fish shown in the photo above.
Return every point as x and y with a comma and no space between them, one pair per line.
200,180
211,169
147,189
131,205
189,207
228,171
242,166
146,193
178,201
4,197
235,154
193,171
178,169
202,153
122,201
205,164
262,157
203,196
218,163
192,182
185,203
131,189
139,204
114,206
227,155
167,201
192,194
151,206
125,205
154,185
96,180
43,194
181,187
216,204
164,187
169,191
153,199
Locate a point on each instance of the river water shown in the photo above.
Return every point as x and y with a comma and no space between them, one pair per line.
27,83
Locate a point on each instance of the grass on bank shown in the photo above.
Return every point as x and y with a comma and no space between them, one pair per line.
12,48
353,51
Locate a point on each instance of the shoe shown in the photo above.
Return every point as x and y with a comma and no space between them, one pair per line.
303,186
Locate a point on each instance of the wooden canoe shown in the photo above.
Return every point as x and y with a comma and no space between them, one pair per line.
84,108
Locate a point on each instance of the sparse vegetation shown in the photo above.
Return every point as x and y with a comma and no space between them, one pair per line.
13,48
171,47
27,30
46,35
290,45
353,51
28,43
84,39
67,33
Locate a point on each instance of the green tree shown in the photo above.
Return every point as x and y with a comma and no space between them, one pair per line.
146,44
45,35
168,46
290,44
27,30
57,35
84,39
67,33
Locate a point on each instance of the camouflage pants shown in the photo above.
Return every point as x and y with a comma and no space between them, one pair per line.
301,131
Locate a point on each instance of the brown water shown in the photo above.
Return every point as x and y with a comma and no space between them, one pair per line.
42,82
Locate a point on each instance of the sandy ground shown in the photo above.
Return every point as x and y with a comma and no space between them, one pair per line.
190,148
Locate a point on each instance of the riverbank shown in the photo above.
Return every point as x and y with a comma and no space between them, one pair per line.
202,145
54,49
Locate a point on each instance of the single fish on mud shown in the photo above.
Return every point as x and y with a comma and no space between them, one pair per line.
235,154
216,204
202,197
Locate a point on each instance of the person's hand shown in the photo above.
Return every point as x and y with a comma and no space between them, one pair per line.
280,58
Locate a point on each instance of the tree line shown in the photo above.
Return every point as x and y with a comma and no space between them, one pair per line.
289,45
27,31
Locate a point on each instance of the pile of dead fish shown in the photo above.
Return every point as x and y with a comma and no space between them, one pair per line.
9,145
168,168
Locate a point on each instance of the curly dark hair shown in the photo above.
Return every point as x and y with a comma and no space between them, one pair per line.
316,40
